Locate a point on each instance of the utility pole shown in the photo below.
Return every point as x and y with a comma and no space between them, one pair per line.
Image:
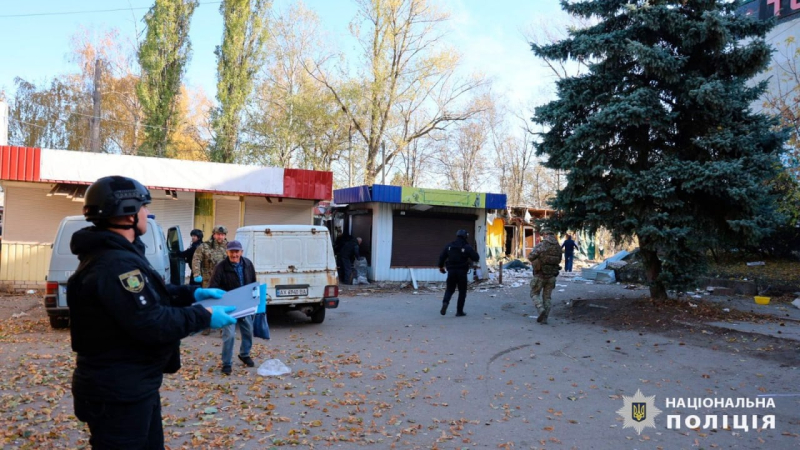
3,123
94,134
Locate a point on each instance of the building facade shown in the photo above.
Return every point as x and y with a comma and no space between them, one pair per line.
42,186
403,229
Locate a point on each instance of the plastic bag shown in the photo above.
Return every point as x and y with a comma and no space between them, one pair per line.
260,326
361,271
273,368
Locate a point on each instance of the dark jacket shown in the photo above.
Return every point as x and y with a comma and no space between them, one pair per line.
126,324
225,278
569,247
188,254
348,249
458,255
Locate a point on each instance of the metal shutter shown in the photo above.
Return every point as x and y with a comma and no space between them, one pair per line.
31,216
226,212
418,239
172,212
258,211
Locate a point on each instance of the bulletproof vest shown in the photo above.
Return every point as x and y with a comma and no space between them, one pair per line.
550,257
456,253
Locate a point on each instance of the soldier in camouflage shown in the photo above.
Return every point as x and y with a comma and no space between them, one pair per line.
545,258
208,255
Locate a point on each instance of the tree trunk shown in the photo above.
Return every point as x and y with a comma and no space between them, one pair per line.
369,171
652,268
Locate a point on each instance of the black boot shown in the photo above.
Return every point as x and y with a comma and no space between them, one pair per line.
444,308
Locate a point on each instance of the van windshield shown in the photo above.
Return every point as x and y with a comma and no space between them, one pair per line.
71,226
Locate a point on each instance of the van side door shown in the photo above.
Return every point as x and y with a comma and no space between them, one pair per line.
177,266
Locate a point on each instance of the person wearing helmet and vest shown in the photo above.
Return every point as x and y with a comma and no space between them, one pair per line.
458,257
126,323
208,255
188,254
545,258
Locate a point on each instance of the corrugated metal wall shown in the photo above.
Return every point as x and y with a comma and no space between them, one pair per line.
173,212
24,262
226,212
480,239
30,216
257,211
382,242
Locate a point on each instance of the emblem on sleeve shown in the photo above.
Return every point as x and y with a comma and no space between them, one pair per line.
132,281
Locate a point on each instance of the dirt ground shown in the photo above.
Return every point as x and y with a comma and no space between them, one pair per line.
386,370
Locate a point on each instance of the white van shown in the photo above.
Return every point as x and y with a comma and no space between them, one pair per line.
160,252
297,264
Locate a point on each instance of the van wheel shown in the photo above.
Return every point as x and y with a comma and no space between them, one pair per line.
59,322
319,315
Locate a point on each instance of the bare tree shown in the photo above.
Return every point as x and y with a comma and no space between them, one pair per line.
462,154
293,120
547,31
407,78
783,99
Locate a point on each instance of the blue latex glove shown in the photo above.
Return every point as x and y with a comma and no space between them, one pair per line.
262,302
220,317
205,294
198,279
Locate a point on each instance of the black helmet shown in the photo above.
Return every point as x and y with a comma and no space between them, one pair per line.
114,196
198,233
462,233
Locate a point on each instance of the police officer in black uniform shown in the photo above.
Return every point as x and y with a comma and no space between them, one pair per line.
188,254
126,323
457,256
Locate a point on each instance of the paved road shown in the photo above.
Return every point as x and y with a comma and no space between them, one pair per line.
385,370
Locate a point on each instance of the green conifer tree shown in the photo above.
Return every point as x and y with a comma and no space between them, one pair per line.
163,56
658,138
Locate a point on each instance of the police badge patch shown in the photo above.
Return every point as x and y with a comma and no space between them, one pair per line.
132,281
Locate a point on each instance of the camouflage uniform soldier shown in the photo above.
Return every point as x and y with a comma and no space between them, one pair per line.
545,258
208,255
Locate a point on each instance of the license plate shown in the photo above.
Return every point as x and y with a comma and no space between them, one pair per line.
291,292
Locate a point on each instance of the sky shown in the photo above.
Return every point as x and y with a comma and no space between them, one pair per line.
487,33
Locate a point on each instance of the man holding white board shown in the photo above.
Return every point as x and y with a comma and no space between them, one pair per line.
233,272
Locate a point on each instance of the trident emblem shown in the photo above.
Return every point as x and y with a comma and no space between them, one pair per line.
638,411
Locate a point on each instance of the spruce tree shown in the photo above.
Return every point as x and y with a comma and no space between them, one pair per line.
658,138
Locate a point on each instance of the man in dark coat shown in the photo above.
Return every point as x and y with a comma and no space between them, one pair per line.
188,254
569,253
347,253
233,272
457,256
126,324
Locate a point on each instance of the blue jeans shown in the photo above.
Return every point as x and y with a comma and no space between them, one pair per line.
228,335
568,262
